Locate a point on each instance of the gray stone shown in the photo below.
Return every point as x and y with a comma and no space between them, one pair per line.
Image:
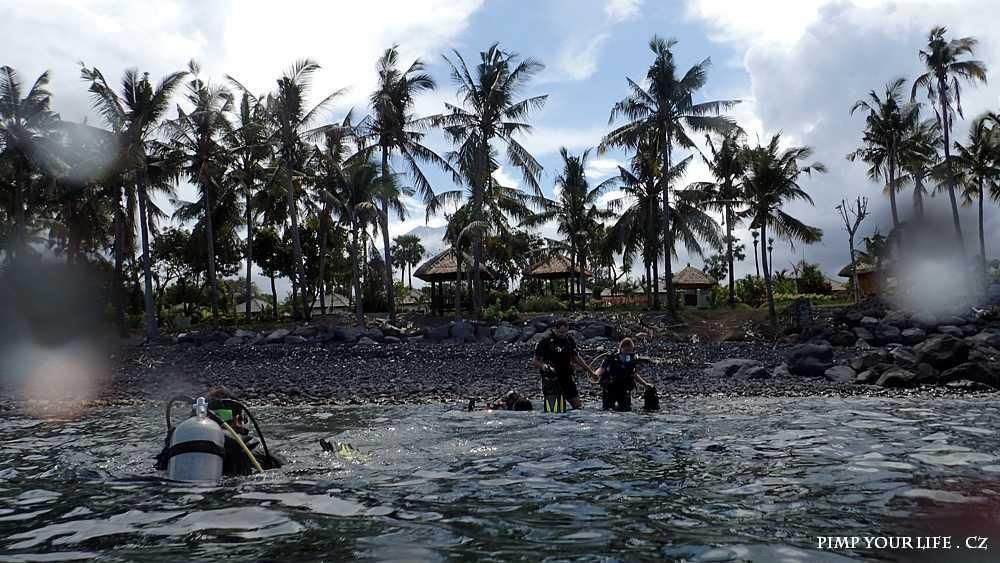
541,324
840,374
898,319
887,333
868,360
393,331
506,333
439,333
811,359
737,368
951,330
234,341
598,329
953,320
913,336
392,340
277,335
869,323
528,333
597,341
984,354
927,374
896,377
865,378
942,351
904,357
306,331
245,333
926,321
536,338
295,339
463,330
842,338
969,330
971,371
452,342
989,337
365,341
347,334
864,334
373,334
576,335
782,371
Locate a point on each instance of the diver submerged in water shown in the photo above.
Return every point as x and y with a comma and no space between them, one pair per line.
555,356
618,376
214,441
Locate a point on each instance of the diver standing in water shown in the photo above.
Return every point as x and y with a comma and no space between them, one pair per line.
555,356
618,376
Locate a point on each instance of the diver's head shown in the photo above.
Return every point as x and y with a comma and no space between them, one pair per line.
219,402
626,349
560,328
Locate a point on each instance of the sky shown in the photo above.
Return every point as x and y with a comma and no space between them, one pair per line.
796,66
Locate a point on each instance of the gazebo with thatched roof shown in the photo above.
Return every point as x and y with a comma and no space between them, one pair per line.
869,279
557,267
443,268
695,286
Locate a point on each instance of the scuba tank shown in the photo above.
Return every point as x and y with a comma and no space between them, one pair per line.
197,447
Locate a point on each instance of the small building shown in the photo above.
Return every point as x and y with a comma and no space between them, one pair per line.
443,268
558,268
332,301
694,287
257,306
869,277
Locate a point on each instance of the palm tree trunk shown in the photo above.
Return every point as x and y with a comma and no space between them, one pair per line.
20,187
668,242
756,260
649,293
947,160
729,255
147,271
293,219
118,291
274,297
458,283
359,307
854,271
918,196
655,284
324,228
572,281
982,239
411,276
249,253
771,313
210,235
384,223
891,174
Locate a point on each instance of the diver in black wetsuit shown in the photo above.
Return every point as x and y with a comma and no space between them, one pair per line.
555,356
618,376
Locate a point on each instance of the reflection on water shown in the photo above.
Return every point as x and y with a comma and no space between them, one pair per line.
707,480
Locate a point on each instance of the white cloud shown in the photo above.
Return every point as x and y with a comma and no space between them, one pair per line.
577,60
545,139
622,10
600,169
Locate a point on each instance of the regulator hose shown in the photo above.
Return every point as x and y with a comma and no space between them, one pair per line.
244,408
246,450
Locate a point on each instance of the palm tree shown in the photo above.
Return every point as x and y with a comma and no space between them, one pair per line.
24,122
918,157
411,252
575,212
490,114
247,144
772,179
291,122
201,135
665,111
978,165
941,82
888,123
726,165
134,117
756,241
393,128
327,168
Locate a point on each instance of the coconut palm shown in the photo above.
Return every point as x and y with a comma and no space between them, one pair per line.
491,113
410,252
772,179
575,212
201,134
726,165
888,123
945,67
918,158
978,165
134,116
24,123
393,129
291,122
248,146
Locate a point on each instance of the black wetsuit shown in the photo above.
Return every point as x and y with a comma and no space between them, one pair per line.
617,382
558,353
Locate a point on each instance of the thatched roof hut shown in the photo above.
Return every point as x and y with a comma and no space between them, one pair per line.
556,267
442,268
693,278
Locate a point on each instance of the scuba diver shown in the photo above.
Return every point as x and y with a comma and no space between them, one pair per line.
214,441
618,375
555,356
512,401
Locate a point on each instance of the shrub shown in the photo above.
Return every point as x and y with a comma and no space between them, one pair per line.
751,291
542,303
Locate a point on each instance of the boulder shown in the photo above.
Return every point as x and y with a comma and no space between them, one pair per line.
528,333
869,322
853,318
868,360
306,331
904,357
913,336
993,294
365,341
989,337
295,339
373,334
576,336
541,324
537,337
245,333
898,319
927,374
887,333
439,333
506,333
393,331
952,320
392,340
864,334
896,377
277,335
971,371
985,354
347,334
926,321
811,359
234,341
597,341
464,331
737,368
840,374
942,351
595,330
866,377
951,330
969,329
782,371
841,338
